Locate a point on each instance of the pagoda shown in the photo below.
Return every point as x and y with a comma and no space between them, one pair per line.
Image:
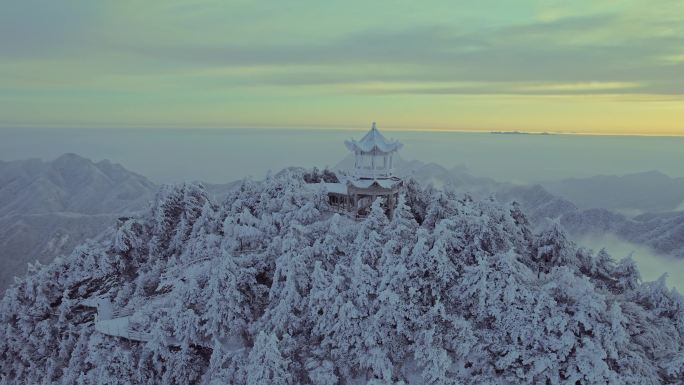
371,177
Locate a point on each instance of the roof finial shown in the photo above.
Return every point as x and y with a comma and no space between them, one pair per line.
373,128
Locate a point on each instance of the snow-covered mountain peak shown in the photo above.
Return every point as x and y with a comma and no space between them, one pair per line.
269,286
71,160
47,208
71,183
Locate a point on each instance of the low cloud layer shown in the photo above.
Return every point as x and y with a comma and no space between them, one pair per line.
651,264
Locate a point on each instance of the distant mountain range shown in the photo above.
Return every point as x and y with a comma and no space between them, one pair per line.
630,194
662,231
71,184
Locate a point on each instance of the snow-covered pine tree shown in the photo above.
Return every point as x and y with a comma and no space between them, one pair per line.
266,365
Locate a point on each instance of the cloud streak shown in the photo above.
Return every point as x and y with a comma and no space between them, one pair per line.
544,52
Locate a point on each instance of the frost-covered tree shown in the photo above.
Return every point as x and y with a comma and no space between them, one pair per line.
243,229
227,313
289,287
175,209
266,365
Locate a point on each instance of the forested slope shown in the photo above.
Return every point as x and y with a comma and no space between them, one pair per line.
267,287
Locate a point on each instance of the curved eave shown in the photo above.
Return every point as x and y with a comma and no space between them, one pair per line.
355,146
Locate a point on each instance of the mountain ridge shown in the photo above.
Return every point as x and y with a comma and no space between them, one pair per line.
48,208
648,191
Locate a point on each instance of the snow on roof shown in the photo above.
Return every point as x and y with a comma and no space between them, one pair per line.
339,188
373,140
365,183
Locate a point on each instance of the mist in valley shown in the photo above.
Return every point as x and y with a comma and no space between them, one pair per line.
651,264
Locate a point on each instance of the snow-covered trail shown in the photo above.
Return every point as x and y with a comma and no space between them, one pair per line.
120,327
117,323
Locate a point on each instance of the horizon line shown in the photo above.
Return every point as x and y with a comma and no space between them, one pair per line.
336,128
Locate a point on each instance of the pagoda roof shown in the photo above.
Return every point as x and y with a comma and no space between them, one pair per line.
373,141
337,188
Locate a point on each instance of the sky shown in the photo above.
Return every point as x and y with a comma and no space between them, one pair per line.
584,66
